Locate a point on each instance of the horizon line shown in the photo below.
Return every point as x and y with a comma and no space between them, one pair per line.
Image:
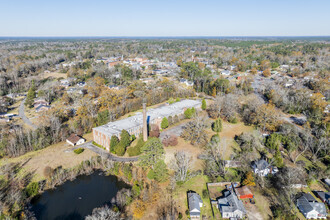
174,36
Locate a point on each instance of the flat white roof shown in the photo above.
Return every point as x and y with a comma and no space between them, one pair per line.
113,128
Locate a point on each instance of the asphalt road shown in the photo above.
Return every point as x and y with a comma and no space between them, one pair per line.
21,114
105,154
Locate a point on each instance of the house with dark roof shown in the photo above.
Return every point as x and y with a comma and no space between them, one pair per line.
75,139
42,108
324,196
195,203
263,168
230,206
310,208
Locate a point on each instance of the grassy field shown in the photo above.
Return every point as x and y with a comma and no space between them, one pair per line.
53,156
56,75
183,145
229,131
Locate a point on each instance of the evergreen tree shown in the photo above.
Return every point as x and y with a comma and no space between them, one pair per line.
153,151
125,138
217,125
203,104
160,171
30,96
120,149
188,114
113,143
278,158
164,123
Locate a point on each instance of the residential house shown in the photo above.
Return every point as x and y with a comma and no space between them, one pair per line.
327,181
75,139
42,108
225,72
195,203
263,168
230,206
324,196
65,83
310,208
186,82
40,102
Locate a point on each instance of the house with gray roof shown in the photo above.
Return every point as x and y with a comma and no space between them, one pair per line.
324,196
310,208
230,206
195,203
263,168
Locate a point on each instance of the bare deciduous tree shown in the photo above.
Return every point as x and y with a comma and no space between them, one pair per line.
182,164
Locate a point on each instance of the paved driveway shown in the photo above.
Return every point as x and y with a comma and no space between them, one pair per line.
177,130
105,154
21,114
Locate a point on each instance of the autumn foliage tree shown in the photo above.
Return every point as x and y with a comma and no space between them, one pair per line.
266,73
249,179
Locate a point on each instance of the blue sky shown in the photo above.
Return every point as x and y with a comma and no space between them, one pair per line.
165,18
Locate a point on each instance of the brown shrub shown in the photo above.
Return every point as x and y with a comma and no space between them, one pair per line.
48,171
171,140
154,131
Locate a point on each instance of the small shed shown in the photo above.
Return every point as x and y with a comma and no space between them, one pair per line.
75,139
244,192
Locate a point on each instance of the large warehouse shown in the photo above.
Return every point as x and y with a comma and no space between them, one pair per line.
134,124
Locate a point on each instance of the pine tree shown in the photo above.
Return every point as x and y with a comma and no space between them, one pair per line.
217,125
113,143
164,123
125,138
30,96
160,171
278,158
120,149
203,104
188,113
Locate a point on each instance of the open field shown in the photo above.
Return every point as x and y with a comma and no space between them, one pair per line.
52,156
183,145
56,75
229,131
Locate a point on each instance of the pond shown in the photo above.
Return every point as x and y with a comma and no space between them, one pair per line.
77,199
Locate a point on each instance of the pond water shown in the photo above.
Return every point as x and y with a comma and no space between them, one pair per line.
77,199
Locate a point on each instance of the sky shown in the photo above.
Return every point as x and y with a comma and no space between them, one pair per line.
37,18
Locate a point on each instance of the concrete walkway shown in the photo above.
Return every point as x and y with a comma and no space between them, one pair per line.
105,154
21,114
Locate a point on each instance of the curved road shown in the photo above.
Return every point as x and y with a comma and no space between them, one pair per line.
21,114
106,154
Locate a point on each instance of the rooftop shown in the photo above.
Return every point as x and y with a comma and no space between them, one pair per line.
230,202
113,128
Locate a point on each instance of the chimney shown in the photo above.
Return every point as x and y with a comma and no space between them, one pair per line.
145,129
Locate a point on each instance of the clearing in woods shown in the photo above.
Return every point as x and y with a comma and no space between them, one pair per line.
56,75
53,156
